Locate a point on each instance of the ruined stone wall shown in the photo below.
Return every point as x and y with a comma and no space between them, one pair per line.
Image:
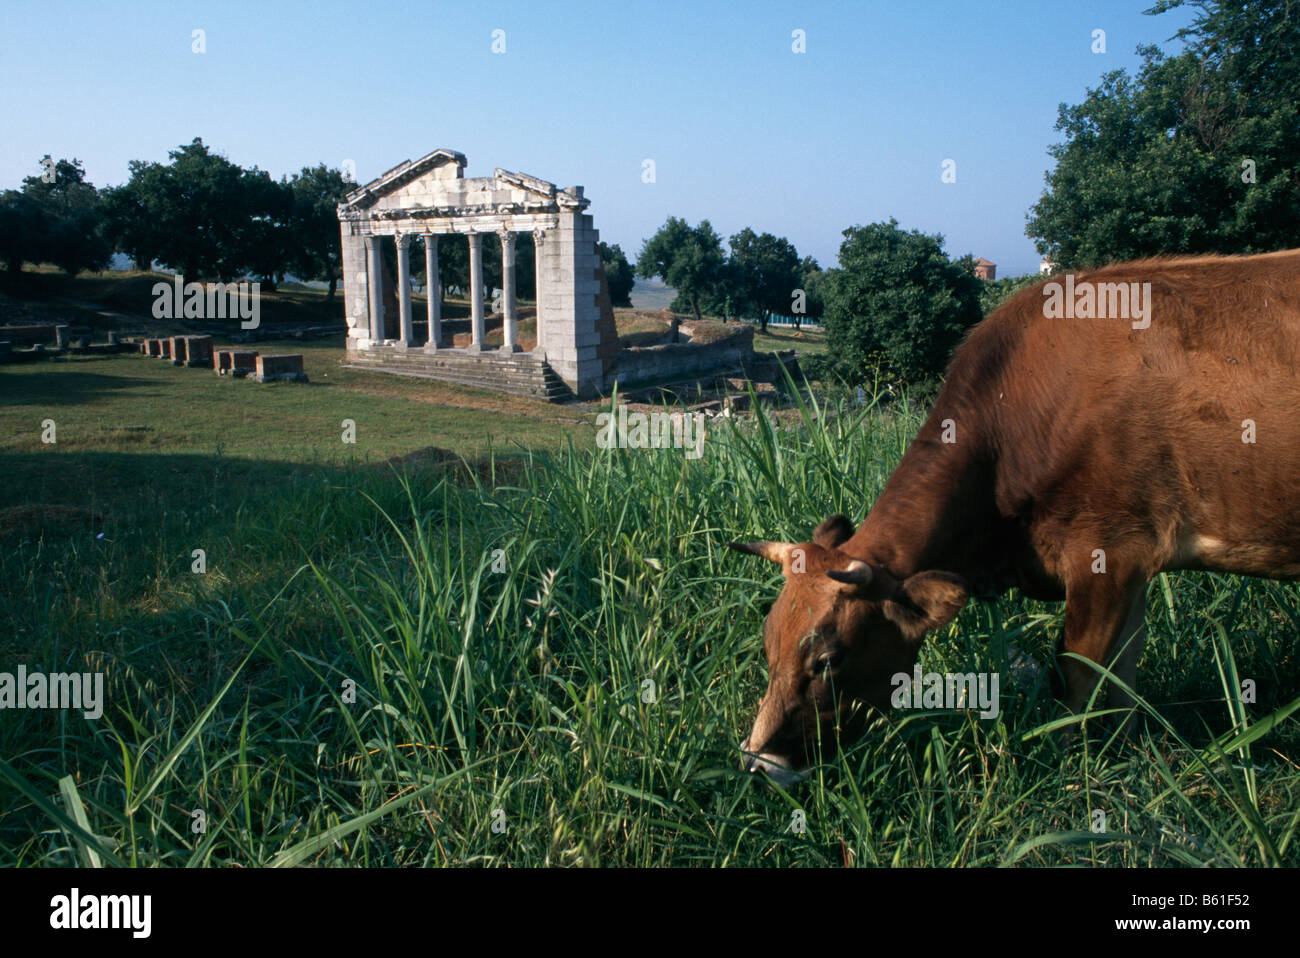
680,360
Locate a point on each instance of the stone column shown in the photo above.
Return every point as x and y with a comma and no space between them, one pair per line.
374,286
476,291
433,289
538,236
404,288
510,318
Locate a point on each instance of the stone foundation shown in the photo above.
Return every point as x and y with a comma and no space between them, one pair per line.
520,374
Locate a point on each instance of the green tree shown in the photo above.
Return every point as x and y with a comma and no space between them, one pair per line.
314,243
813,280
995,292
128,220
897,304
689,259
1200,153
618,273
724,297
453,262
24,230
766,271
264,244
55,218
203,215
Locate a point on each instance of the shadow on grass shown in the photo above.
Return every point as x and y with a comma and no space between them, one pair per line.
72,385
118,483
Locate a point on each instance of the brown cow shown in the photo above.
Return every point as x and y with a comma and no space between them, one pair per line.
1074,452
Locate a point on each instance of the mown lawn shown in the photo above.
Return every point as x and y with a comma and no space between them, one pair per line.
549,660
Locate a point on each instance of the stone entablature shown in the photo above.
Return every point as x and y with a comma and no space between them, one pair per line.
431,197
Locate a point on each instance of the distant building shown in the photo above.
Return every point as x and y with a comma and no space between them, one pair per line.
985,270
1046,267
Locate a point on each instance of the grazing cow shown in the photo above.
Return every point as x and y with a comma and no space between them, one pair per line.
1091,432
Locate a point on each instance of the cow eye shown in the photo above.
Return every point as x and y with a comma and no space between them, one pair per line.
829,660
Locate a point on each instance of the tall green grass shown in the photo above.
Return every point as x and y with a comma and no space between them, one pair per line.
553,663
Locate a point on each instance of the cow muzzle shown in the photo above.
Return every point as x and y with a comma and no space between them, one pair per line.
773,766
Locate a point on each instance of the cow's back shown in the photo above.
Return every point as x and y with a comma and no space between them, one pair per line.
1185,433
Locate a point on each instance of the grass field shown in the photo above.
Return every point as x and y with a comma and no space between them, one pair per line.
802,341
549,659
132,404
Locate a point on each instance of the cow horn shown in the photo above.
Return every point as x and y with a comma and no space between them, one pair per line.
772,551
856,572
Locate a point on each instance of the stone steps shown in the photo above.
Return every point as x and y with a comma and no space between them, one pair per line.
521,374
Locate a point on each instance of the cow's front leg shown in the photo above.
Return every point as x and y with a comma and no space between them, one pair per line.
1105,621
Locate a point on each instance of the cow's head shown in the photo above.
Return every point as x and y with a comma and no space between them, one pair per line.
835,637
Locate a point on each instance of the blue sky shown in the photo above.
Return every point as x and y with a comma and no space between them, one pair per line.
742,131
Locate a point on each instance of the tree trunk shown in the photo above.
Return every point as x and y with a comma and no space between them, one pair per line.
334,282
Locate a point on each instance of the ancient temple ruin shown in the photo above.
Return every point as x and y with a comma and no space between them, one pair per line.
431,197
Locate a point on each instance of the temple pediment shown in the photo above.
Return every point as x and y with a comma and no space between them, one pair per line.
435,186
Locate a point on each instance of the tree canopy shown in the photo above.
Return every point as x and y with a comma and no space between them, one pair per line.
765,272
1199,153
619,274
203,215
56,217
688,258
897,304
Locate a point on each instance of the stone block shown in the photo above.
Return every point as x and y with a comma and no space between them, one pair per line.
237,363
197,352
283,367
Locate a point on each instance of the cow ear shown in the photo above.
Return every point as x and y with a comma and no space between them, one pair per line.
926,601
834,531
